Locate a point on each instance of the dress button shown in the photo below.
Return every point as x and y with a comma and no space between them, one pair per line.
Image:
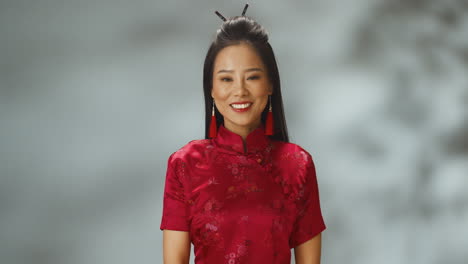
259,160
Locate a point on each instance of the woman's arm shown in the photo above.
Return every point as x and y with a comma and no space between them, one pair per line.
309,252
176,247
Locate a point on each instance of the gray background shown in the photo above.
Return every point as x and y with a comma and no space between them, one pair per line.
95,95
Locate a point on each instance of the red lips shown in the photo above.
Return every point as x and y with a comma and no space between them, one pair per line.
243,109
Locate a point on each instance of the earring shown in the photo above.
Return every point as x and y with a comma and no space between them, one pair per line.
213,123
269,126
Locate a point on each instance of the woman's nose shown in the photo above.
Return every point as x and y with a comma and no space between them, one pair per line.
240,88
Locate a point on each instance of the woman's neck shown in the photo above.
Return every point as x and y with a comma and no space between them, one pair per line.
242,131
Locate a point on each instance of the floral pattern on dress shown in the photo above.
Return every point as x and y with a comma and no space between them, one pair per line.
240,249
208,225
297,162
241,189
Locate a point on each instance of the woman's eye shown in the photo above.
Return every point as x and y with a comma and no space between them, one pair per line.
226,79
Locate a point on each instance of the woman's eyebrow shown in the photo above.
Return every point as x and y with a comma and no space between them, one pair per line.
248,70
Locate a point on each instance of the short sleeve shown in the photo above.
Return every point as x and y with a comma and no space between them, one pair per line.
309,221
175,206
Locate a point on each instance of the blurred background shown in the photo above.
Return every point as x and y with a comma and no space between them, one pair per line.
95,96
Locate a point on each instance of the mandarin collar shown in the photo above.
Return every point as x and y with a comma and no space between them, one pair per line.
256,140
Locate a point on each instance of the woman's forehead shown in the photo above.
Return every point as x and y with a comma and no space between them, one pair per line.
237,57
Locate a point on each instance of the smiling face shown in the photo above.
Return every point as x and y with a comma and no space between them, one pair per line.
239,76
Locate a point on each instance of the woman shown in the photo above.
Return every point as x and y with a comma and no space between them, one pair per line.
244,194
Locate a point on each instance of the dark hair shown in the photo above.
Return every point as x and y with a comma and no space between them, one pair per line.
237,30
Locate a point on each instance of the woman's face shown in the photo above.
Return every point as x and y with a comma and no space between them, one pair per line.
240,78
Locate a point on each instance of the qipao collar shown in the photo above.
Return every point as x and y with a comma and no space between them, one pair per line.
229,141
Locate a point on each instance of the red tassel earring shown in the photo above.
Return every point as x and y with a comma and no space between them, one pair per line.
213,124
269,121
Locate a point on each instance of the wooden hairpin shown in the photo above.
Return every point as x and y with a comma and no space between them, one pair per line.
224,19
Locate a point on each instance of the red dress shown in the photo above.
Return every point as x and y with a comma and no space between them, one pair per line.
242,207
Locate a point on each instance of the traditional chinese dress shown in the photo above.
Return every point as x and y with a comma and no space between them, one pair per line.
241,206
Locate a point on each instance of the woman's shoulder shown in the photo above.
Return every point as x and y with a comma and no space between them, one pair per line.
293,167
291,149
193,148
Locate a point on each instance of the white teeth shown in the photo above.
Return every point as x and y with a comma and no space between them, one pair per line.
241,106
